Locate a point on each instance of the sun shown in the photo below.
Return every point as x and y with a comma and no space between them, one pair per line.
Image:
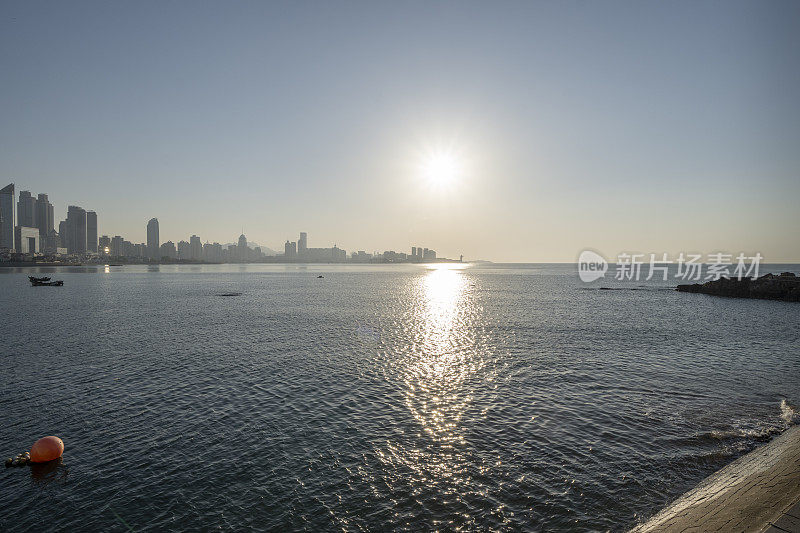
441,169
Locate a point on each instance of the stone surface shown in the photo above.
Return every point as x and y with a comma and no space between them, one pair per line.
787,522
785,287
754,493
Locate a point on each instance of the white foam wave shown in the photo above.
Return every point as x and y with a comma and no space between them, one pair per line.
788,413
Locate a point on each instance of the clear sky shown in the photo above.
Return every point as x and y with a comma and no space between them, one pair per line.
637,126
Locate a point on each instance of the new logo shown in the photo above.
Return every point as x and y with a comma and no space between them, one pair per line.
591,266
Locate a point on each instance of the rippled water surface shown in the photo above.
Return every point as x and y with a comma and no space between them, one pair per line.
377,398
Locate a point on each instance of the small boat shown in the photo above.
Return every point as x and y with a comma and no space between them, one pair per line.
47,283
318,277
32,278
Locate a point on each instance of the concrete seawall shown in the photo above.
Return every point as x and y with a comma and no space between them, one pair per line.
758,492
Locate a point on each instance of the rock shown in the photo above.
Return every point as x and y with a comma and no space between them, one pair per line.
785,287
15,462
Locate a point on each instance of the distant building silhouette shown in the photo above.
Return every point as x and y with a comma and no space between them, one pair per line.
290,250
184,250
27,240
117,246
7,221
153,249
63,233
45,222
167,249
76,230
242,249
195,248
26,210
212,252
302,244
91,232
361,256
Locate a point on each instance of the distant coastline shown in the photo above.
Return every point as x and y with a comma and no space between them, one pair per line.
276,261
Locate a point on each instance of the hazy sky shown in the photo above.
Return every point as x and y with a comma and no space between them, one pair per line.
638,126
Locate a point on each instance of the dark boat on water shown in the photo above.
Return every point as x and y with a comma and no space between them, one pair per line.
44,282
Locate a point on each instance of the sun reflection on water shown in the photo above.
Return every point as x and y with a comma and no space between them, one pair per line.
442,358
439,367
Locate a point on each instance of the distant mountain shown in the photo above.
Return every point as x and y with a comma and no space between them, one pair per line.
266,250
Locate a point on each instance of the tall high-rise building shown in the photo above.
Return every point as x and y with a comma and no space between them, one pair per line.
104,245
196,248
153,251
44,223
116,246
212,252
91,232
184,250
7,217
26,210
242,250
290,250
168,250
63,234
44,215
302,244
76,229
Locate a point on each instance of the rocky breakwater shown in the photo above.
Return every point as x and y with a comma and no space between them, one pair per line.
784,287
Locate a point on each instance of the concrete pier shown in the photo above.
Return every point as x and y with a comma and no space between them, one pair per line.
758,492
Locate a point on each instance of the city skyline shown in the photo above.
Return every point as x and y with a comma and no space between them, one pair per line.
36,217
32,232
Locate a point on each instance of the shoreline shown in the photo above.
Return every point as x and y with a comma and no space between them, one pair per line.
28,264
753,493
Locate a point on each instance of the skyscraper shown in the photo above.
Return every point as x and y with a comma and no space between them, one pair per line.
184,250
167,249
104,245
153,251
290,250
26,210
63,234
196,248
242,250
7,217
302,244
76,230
91,231
44,215
44,223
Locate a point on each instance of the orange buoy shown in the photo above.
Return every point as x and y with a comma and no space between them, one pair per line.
46,449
